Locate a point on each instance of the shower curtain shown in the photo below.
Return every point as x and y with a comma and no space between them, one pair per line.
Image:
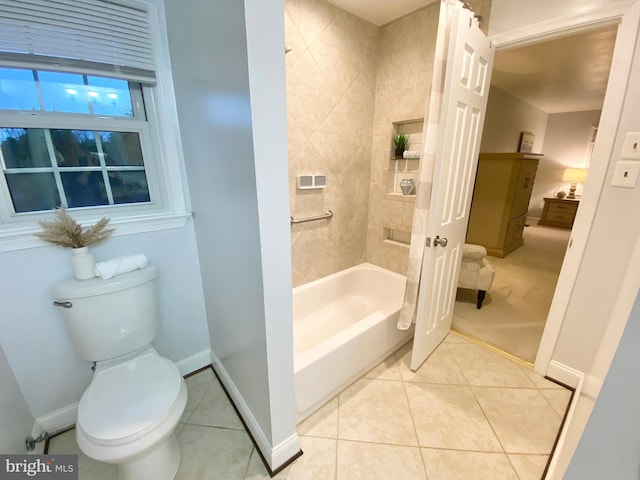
423,191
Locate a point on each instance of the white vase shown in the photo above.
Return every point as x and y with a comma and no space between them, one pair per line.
83,263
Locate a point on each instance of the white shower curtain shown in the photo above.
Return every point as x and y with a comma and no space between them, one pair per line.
423,191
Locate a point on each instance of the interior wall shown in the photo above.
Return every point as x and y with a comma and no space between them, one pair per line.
566,145
330,98
507,117
610,444
403,81
265,37
229,84
33,333
610,242
15,417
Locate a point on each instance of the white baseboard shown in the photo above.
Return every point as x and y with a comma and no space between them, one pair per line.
65,417
275,455
564,374
532,220
560,456
58,420
194,362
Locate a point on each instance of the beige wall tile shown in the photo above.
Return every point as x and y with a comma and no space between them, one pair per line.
310,97
293,40
347,80
330,96
335,53
310,16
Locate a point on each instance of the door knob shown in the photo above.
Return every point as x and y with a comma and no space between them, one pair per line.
440,241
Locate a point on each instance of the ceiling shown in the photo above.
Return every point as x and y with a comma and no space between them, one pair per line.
380,12
563,75
569,74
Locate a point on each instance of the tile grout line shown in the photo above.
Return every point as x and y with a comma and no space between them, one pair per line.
475,398
413,422
186,422
504,452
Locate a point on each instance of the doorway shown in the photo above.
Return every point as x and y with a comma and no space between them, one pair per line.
562,108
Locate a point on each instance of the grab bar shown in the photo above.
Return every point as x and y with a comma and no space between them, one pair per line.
328,214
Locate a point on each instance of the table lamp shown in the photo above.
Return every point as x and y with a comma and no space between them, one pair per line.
575,176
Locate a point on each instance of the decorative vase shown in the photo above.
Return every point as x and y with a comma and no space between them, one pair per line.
406,185
398,152
83,263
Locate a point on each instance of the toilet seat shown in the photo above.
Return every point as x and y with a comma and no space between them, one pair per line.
127,400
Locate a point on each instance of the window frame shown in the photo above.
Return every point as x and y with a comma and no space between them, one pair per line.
170,206
47,120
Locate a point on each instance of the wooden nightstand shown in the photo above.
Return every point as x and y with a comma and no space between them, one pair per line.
559,212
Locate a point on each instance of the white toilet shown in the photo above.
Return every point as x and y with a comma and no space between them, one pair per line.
128,413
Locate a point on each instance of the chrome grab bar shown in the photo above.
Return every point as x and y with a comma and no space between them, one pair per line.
328,214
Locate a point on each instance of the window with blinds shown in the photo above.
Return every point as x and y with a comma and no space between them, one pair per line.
102,37
75,129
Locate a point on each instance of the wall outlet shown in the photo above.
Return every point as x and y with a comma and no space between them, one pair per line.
631,146
626,174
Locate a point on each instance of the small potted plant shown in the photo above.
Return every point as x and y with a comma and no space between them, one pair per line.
400,143
64,231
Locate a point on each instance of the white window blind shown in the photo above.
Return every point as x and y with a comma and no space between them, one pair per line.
90,36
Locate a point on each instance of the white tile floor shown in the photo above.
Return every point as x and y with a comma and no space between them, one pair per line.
467,413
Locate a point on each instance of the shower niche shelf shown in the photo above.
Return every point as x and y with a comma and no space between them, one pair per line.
404,168
397,237
411,198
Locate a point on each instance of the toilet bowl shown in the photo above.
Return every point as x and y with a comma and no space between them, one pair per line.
129,411
128,414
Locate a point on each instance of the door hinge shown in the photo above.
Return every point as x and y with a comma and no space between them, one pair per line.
428,242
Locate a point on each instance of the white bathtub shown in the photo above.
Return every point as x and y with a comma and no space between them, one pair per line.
343,325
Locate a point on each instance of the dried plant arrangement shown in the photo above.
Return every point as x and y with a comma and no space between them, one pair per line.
64,231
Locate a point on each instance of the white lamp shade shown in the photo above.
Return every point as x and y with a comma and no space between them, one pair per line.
575,175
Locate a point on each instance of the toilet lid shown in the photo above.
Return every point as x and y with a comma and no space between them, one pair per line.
129,398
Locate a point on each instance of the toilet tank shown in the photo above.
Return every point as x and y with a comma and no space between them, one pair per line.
109,318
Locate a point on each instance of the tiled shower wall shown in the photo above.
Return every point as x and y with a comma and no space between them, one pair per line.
348,82
403,80
330,103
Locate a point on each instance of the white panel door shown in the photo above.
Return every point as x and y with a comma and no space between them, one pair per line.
468,74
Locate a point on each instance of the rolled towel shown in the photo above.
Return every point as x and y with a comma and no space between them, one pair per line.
411,154
120,265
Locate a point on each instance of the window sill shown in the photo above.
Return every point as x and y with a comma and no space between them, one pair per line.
21,238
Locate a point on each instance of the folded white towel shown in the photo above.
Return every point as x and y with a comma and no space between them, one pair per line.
120,265
411,154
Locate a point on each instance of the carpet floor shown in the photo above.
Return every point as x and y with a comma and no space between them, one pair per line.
514,313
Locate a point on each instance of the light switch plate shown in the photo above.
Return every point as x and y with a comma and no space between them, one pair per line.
626,174
631,146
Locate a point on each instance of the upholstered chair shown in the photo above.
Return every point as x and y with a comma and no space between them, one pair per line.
476,272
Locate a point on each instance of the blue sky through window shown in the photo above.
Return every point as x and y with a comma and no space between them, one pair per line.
64,92
18,89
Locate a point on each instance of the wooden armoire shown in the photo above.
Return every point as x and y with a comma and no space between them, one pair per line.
500,200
